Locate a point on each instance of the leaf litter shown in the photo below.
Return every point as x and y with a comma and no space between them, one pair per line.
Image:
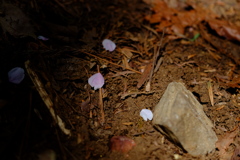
208,66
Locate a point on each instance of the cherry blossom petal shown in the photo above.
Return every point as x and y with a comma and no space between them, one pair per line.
146,114
16,75
43,38
96,81
108,45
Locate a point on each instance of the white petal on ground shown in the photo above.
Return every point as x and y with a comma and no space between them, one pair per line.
16,75
108,45
96,81
146,114
43,38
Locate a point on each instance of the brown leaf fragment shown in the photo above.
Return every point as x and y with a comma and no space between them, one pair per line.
234,83
225,47
236,154
121,144
210,93
145,75
225,29
174,21
126,51
223,143
125,62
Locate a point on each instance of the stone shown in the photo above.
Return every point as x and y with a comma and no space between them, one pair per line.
181,118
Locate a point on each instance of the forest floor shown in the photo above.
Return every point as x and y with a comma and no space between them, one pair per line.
192,42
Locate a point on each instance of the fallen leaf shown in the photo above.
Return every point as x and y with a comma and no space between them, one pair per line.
234,83
125,62
145,75
173,21
223,143
225,29
127,52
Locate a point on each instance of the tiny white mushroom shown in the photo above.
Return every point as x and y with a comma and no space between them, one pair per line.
146,114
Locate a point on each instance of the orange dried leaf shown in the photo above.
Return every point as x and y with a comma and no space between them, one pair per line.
225,29
234,83
126,51
145,75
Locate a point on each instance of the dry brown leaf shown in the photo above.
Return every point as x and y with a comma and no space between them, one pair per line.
125,62
223,144
222,8
225,29
126,51
173,21
234,83
145,75
222,45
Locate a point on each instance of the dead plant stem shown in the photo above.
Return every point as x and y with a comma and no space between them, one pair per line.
155,57
102,119
111,62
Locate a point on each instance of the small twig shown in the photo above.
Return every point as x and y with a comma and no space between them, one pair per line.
110,62
124,95
102,119
145,132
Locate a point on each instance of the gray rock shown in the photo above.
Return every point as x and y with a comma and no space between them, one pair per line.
180,117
